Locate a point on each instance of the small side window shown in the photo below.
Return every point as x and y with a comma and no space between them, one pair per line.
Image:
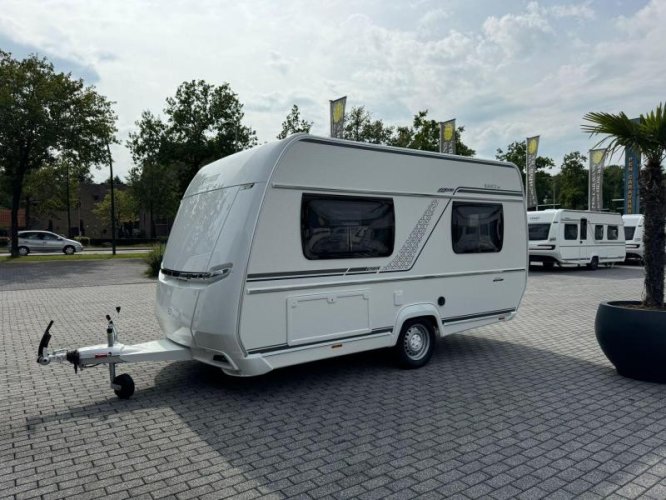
612,232
346,227
477,227
598,232
583,229
571,231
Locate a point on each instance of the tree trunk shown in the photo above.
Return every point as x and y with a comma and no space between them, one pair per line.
16,205
653,198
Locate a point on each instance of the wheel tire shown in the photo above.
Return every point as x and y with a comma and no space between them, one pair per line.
23,251
594,265
548,266
69,250
126,386
416,343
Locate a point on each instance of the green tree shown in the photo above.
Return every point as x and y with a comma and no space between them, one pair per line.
127,209
613,186
46,115
54,188
516,153
154,187
545,188
647,135
153,181
360,127
424,135
573,181
203,123
293,124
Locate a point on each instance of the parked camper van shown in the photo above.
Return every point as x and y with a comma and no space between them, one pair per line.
310,248
633,235
572,237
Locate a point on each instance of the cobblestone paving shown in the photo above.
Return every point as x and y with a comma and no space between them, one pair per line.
525,409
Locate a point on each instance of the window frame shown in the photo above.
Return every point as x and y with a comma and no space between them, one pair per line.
454,242
582,230
306,198
601,226
576,225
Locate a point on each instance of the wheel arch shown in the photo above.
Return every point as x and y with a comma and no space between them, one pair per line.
425,310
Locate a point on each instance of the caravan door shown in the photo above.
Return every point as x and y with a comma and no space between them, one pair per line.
570,247
585,250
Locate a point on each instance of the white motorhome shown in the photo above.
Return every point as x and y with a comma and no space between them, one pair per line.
310,248
575,237
633,235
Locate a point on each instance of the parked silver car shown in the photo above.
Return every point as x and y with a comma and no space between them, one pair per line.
45,241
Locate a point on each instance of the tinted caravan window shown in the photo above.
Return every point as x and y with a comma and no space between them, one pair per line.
612,232
571,231
598,232
629,232
477,227
346,227
538,232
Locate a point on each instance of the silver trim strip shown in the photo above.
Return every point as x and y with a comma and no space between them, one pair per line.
343,340
378,279
508,194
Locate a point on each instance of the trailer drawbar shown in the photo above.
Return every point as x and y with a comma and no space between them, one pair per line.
112,353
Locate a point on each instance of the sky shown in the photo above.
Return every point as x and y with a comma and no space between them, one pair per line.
505,70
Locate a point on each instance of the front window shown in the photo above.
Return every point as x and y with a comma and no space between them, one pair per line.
629,232
539,232
346,227
571,231
477,227
598,232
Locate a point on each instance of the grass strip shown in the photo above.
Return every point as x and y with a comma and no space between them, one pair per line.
69,258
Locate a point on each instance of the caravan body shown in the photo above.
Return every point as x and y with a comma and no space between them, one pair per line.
310,248
633,234
575,237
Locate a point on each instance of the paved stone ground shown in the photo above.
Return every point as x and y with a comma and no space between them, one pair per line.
524,409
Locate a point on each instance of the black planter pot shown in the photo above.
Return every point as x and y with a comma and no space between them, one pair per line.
634,340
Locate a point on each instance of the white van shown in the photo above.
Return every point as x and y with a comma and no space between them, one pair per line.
633,234
575,237
310,248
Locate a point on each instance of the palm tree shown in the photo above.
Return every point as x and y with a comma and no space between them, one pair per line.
647,135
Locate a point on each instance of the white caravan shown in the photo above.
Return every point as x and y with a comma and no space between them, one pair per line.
633,235
575,237
310,248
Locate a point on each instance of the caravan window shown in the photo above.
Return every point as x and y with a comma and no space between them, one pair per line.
571,231
538,232
598,232
583,229
477,227
346,227
612,232
629,232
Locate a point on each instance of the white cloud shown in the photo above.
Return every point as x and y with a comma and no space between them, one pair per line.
518,70
580,11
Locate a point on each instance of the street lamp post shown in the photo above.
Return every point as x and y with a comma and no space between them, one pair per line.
113,204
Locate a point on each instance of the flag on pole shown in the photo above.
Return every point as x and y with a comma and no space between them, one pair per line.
447,137
338,116
596,179
530,171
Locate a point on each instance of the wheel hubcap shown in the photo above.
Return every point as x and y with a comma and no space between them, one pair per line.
417,342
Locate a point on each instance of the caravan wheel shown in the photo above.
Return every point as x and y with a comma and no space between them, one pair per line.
416,343
594,265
